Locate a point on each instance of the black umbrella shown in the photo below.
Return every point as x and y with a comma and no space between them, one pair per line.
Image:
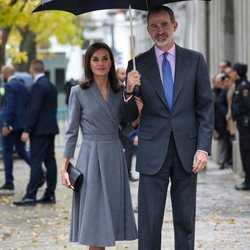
78,7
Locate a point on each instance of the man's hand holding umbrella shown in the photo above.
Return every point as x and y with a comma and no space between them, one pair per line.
133,81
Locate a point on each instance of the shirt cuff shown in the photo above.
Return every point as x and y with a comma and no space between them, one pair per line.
126,99
205,152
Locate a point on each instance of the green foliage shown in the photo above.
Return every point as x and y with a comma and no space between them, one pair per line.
17,15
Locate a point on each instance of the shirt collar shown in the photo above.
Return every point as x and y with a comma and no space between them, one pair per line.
11,77
38,76
160,52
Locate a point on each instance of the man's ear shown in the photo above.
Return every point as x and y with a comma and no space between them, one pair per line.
175,26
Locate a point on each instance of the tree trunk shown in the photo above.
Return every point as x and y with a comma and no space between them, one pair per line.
28,45
3,42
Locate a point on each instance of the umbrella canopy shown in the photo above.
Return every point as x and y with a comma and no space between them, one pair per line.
78,7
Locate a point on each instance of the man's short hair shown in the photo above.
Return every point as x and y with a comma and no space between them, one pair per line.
159,9
227,62
9,68
38,66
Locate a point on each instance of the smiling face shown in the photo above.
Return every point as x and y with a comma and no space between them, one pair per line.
161,29
100,63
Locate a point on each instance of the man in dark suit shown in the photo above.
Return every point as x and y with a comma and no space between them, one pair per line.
175,131
41,128
15,100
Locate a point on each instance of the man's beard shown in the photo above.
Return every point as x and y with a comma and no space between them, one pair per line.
165,42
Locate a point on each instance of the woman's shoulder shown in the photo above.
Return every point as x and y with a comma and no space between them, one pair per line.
79,93
79,89
75,88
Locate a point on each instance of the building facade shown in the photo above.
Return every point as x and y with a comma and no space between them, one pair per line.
218,29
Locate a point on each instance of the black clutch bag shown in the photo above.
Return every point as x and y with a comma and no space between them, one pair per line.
75,177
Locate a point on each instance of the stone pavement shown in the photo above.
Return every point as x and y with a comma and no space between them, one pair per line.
223,215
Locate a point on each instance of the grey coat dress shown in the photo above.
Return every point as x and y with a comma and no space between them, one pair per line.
102,210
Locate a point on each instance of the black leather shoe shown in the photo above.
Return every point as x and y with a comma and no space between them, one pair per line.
7,189
242,186
222,166
25,202
47,200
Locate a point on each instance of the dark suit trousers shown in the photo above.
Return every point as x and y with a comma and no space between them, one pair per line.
9,142
244,141
42,149
129,151
152,199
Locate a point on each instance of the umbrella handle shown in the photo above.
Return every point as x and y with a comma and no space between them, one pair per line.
132,37
137,89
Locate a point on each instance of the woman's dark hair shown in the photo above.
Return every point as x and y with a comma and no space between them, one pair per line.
159,9
89,78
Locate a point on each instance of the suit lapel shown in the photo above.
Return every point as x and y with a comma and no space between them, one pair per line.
154,76
99,99
180,67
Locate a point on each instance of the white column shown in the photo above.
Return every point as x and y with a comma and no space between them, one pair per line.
195,31
216,35
242,30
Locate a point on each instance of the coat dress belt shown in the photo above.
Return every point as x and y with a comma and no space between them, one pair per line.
106,137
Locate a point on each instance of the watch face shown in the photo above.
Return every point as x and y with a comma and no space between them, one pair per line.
245,92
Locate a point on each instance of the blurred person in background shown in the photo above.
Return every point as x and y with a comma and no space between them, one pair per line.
67,89
220,122
40,128
121,75
14,104
224,65
241,114
231,124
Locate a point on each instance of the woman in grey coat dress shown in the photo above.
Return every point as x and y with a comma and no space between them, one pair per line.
102,210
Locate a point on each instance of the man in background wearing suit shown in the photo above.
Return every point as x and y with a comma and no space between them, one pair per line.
175,131
127,142
15,101
41,128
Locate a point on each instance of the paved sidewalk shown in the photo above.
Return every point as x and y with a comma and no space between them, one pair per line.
223,216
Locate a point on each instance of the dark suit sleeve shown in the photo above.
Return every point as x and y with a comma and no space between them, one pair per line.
130,108
9,110
130,111
204,106
35,105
